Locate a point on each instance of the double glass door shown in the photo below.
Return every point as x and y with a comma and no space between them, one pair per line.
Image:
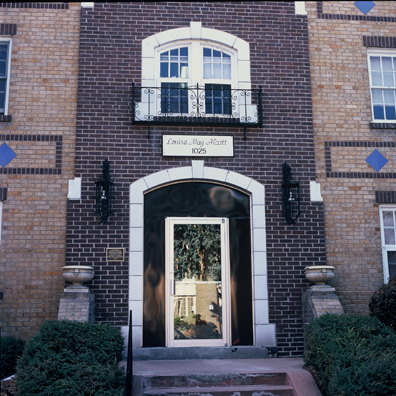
197,286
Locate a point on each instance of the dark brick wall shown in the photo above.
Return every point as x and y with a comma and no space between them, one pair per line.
110,60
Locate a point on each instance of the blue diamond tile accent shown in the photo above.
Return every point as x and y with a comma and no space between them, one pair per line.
364,6
376,160
6,154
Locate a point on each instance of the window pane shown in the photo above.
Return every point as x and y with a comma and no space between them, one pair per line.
386,63
207,71
3,69
226,58
392,271
183,70
392,258
2,85
174,55
389,234
378,113
216,70
164,70
377,96
2,100
375,63
390,112
376,79
389,97
388,80
216,56
183,52
3,51
164,57
388,219
174,72
227,71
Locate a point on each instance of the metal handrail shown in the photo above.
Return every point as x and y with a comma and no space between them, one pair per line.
129,371
209,105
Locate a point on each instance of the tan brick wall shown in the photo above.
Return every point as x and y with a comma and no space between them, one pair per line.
342,113
42,103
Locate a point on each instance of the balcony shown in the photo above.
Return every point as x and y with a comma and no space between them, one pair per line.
211,105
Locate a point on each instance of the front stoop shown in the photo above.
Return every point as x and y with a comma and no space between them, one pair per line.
223,377
249,384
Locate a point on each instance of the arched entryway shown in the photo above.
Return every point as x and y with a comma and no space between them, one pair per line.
149,321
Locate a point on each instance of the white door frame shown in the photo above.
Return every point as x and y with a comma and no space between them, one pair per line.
169,281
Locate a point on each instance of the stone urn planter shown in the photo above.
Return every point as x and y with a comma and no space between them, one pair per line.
78,275
319,274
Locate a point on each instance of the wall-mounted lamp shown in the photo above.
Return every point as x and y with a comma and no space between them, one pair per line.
104,193
290,196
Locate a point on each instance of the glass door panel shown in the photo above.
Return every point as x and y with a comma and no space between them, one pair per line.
197,271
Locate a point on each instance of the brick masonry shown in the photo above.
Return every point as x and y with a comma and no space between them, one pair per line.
40,129
339,37
110,50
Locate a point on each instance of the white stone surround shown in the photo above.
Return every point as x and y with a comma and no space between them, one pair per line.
264,332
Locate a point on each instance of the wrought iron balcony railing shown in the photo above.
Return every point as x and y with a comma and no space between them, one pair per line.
211,105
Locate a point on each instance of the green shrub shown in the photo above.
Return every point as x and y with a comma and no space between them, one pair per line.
382,304
68,358
11,350
352,355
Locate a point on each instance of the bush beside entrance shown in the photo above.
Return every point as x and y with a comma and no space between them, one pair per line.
352,355
68,358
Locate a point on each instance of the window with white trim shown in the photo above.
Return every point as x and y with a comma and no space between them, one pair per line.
196,75
382,66
196,64
388,238
5,61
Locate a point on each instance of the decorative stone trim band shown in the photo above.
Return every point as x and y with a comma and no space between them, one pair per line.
355,175
3,194
385,197
56,170
5,118
8,29
50,6
382,125
349,17
379,41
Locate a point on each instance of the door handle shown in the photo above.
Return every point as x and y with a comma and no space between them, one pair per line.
173,286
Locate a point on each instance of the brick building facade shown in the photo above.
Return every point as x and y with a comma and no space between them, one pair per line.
266,44
355,141
39,73
272,84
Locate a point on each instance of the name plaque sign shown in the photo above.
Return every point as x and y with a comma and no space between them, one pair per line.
115,254
197,146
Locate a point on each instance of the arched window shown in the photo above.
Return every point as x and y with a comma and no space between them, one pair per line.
196,78
196,73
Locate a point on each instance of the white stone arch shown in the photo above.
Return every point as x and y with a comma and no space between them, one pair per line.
195,32
264,332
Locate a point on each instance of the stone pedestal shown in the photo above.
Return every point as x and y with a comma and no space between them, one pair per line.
318,300
77,304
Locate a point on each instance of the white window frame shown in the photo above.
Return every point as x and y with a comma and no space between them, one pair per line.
152,46
9,41
386,248
380,53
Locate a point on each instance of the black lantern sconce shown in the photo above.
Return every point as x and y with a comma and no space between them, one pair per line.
104,193
290,196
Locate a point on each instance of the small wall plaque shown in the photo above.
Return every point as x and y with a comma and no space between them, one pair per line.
115,254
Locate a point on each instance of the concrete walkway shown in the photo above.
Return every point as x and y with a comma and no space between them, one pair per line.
300,379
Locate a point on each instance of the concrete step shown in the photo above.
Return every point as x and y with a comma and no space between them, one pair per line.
222,384
258,390
214,379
